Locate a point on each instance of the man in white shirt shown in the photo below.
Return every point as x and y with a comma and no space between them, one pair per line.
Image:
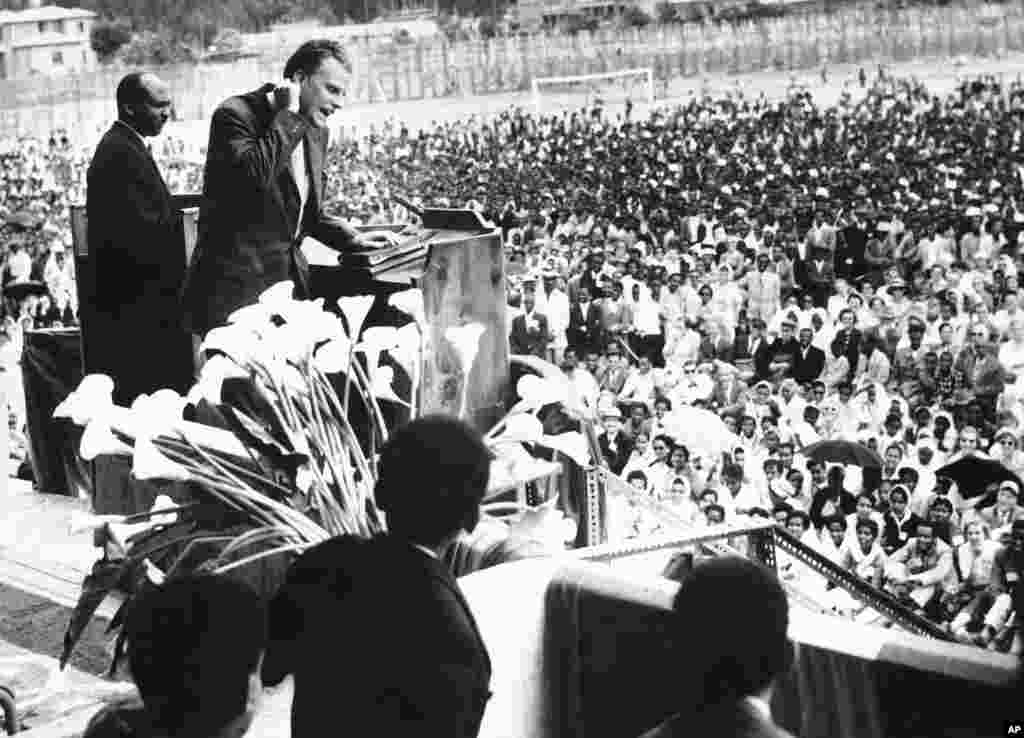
554,303
582,383
640,385
19,263
647,319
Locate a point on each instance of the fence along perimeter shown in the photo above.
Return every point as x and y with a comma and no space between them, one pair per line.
435,69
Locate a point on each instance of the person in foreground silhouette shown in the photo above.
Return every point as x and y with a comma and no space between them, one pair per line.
194,644
376,631
730,655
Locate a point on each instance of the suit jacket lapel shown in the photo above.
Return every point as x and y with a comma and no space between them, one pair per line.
139,145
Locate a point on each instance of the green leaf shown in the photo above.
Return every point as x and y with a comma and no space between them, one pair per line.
104,577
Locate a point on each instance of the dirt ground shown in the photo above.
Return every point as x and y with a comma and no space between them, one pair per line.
940,75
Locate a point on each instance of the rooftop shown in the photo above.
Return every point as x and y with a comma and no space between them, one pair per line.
45,13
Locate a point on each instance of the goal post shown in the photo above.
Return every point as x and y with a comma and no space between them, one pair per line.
635,85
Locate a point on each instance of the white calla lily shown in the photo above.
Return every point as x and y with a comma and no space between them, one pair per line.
573,444
406,352
410,302
543,524
148,462
168,404
382,337
536,392
375,340
215,371
257,317
333,357
236,341
465,339
278,295
310,319
293,379
99,440
382,388
154,415
355,309
92,397
290,343
520,429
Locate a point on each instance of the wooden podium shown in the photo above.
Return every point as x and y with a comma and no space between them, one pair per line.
462,274
464,282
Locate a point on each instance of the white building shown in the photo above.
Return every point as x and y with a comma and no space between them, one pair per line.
45,40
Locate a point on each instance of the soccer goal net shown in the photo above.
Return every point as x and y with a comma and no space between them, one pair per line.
610,89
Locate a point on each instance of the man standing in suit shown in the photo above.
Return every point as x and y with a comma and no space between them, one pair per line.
529,335
135,235
585,330
376,631
730,657
133,321
820,276
809,362
263,188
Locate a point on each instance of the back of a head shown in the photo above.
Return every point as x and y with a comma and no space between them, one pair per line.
193,645
731,619
431,478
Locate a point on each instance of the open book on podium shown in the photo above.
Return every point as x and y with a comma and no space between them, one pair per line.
404,262
455,257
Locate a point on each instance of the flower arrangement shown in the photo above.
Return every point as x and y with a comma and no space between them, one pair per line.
283,471
276,466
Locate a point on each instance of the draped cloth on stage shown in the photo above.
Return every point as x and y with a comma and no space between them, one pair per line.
604,664
51,365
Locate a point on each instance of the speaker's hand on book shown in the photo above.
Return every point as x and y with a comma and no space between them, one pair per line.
376,240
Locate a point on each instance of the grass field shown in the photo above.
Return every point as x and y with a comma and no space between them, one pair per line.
940,75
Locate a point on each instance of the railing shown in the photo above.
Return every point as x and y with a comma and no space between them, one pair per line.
764,539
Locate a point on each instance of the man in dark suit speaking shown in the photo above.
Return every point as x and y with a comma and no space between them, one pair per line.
135,235
376,632
263,188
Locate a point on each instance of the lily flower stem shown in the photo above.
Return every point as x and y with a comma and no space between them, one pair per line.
331,443
304,522
348,440
348,374
299,547
166,443
375,406
463,397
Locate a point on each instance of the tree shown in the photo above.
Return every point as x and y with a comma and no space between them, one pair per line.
108,37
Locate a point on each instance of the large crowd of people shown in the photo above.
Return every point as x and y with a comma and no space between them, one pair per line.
805,273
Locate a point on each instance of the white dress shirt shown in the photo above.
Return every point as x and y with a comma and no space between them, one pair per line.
301,180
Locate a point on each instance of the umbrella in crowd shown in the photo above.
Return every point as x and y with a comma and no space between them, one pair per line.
843,452
27,288
702,432
973,474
